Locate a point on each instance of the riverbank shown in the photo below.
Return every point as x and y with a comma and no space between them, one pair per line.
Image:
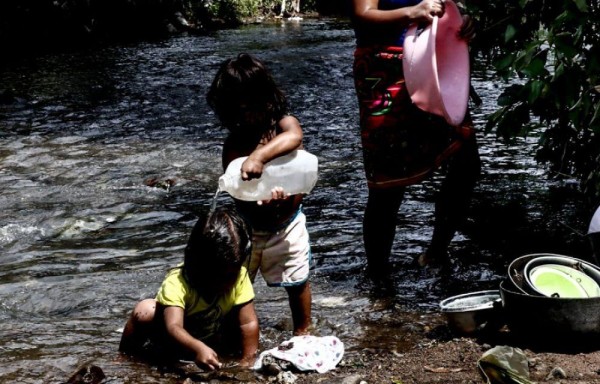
435,355
440,360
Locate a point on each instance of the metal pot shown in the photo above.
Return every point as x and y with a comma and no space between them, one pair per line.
519,269
585,275
516,274
473,312
549,317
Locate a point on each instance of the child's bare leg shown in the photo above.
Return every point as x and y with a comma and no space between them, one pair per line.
300,303
138,326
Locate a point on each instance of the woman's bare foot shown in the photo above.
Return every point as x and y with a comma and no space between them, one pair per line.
433,259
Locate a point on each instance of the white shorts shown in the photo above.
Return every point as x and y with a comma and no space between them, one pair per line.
283,256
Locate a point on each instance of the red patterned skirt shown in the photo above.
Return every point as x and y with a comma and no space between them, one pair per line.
401,144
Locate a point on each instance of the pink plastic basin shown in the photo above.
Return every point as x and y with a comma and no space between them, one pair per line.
436,66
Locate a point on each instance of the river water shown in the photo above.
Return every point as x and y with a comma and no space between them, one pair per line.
108,156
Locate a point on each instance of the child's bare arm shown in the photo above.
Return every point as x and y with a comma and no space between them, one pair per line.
288,140
204,355
249,333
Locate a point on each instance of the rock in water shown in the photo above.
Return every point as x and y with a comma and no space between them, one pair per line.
87,374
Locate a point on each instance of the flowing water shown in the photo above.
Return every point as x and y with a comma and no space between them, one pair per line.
108,156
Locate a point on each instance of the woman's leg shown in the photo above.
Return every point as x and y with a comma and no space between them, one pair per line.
379,227
453,200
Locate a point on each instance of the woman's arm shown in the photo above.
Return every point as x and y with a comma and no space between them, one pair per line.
249,333
366,11
204,355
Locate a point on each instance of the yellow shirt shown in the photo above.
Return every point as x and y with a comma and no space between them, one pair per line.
202,319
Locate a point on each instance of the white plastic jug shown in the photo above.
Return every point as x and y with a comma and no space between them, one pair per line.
295,172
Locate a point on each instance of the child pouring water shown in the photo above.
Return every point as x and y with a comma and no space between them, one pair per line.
250,105
198,298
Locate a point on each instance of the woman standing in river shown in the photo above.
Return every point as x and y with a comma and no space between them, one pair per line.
402,145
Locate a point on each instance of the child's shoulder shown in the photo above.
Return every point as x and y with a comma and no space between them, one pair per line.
288,121
175,273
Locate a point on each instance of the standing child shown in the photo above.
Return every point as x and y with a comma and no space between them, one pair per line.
249,104
197,298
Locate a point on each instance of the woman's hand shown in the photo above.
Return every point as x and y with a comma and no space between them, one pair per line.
467,30
427,9
206,357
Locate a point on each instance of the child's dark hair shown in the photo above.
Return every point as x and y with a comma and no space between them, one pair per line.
244,84
219,241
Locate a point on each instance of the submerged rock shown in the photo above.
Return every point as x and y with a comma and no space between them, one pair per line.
87,374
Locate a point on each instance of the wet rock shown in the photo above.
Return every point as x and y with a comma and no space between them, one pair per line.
286,377
272,366
155,182
556,373
353,379
87,374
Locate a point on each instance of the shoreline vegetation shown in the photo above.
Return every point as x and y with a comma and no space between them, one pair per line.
49,26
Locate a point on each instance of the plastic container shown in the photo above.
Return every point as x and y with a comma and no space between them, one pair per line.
295,172
436,66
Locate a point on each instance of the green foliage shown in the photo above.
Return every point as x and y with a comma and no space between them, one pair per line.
553,49
229,11
236,11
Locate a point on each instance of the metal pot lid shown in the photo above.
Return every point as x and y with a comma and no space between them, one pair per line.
470,301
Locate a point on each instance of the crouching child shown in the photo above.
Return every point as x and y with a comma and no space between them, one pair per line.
205,305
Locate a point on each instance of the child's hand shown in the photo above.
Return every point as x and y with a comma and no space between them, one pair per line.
252,169
277,193
206,357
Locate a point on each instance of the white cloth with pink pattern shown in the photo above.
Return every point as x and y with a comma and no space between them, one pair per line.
307,353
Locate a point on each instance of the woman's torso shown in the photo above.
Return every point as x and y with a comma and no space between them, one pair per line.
384,35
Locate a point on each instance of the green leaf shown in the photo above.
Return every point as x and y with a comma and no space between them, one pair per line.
596,114
564,45
510,33
535,68
505,62
577,104
535,89
558,72
581,5
493,118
